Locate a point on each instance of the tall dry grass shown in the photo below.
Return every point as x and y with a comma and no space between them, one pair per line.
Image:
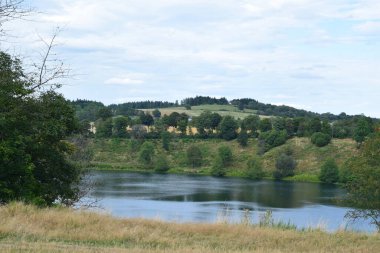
25,228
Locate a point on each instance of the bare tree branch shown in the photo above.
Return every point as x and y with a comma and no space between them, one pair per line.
10,10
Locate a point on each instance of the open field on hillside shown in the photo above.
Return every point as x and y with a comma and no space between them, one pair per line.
28,229
223,110
123,154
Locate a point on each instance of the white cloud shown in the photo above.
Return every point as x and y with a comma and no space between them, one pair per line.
123,81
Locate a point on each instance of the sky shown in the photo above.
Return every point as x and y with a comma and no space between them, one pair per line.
318,55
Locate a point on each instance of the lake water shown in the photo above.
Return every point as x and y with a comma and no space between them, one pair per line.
185,198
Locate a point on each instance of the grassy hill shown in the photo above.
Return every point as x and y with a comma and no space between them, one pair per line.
223,110
29,229
123,154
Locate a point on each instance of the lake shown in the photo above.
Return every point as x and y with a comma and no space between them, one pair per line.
186,198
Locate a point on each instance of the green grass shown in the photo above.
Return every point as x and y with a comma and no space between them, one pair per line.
122,154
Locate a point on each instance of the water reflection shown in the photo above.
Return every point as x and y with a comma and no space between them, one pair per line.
200,199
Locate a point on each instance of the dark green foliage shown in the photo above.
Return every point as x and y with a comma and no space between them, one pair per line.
165,137
200,100
156,113
104,113
146,153
161,164
279,123
361,130
320,139
265,125
120,126
87,110
329,172
225,155
194,156
314,126
326,128
227,128
271,139
104,128
251,124
364,182
34,165
146,119
182,126
188,107
285,165
243,138
218,168
254,169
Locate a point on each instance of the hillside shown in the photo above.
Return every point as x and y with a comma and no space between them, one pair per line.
30,229
123,154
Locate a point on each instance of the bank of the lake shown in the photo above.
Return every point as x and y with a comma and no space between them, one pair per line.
122,154
29,229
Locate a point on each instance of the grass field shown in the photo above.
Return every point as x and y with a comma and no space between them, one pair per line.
223,110
28,229
123,154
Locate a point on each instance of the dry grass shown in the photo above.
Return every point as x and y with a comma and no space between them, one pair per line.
28,229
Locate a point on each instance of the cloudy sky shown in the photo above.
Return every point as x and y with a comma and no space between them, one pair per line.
319,55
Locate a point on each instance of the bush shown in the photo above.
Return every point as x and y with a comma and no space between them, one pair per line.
243,138
225,155
161,164
218,168
254,169
285,166
146,153
165,137
194,156
271,139
329,172
320,139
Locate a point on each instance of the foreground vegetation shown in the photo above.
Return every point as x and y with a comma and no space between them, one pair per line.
27,228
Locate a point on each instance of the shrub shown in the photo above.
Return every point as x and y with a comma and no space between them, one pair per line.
285,166
329,172
254,169
320,139
194,156
271,139
218,168
225,155
165,137
243,138
146,153
161,163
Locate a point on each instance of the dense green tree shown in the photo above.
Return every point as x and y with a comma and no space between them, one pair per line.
314,125
361,130
104,128
146,119
329,172
156,113
320,139
165,138
182,126
251,124
218,169
120,126
271,139
243,138
161,163
364,183
265,125
254,168
225,155
279,123
146,153
34,165
194,156
285,165
104,113
227,128
326,128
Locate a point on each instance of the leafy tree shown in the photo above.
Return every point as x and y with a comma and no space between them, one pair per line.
146,119
329,172
161,164
326,127
225,155
194,156
279,123
34,123
285,166
165,138
364,183
218,169
120,126
320,139
243,138
290,127
214,120
265,125
104,113
251,124
254,169
271,139
156,113
146,153
228,127
182,126
361,130
314,125
104,128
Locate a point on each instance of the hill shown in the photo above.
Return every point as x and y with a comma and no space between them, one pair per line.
31,229
123,154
